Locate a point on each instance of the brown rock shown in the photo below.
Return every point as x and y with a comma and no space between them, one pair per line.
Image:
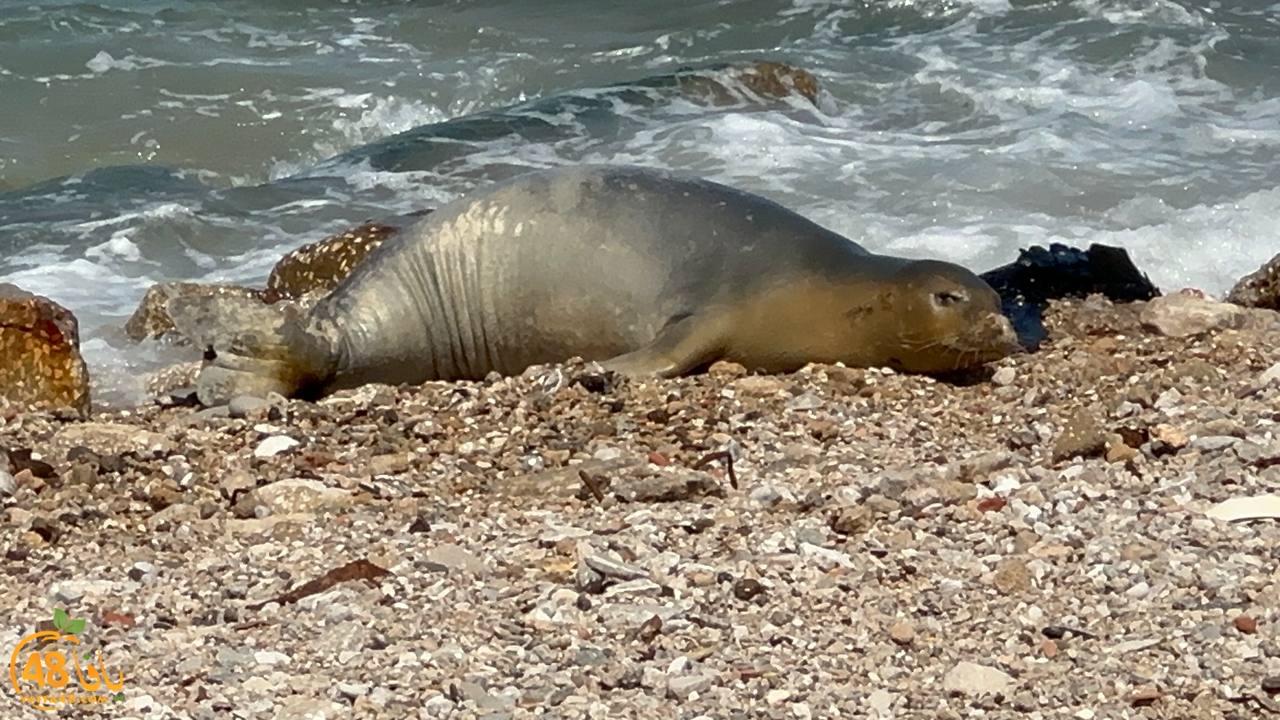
151,319
1169,436
1081,436
1118,451
902,632
851,520
40,362
765,79
724,369
1246,624
1143,696
1259,289
1012,577
318,267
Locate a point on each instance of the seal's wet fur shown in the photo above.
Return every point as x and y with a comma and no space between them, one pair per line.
649,272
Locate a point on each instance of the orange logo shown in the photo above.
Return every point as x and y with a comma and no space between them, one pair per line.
42,679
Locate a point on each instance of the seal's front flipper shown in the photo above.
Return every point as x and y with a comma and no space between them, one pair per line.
682,345
251,348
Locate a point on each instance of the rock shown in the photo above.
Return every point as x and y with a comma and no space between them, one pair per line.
1012,577
1143,696
747,588
1259,289
1246,624
242,406
1118,451
1004,376
1182,315
274,445
455,557
174,384
1269,377
685,686
758,385
142,571
880,702
970,678
295,495
108,439
1081,436
766,79
316,268
40,361
902,632
151,319
1214,443
1169,437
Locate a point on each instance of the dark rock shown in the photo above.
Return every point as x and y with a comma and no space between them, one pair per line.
1038,275
40,361
20,459
1259,289
747,589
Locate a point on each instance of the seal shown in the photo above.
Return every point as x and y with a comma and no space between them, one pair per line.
649,272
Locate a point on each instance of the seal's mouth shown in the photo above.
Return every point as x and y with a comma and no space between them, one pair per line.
991,338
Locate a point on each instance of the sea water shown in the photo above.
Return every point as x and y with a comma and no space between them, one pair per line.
143,141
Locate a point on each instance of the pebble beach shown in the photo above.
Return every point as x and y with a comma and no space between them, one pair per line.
1073,533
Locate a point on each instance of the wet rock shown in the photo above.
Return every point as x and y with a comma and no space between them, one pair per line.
317,268
1183,315
40,361
765,79
1259,289
175,384
151,319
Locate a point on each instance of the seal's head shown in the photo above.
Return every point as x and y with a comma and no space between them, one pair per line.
949,319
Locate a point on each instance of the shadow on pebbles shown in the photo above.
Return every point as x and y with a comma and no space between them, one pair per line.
1081,533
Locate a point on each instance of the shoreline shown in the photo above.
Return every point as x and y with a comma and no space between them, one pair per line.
895,545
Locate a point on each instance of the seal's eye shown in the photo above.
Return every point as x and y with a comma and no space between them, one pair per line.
947,298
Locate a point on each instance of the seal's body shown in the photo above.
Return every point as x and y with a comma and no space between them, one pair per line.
648,272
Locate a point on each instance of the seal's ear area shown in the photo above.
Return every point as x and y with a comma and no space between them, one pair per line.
251,348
